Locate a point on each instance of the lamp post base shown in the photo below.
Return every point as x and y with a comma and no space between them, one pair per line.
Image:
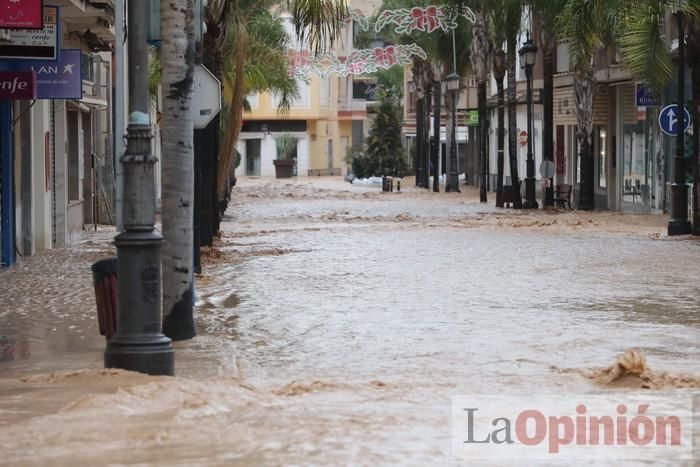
679,223
530,201
679,227
452,185
153,355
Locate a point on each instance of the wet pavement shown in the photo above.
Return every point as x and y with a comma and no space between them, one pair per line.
335,322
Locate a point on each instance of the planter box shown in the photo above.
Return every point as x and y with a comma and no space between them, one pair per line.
283,168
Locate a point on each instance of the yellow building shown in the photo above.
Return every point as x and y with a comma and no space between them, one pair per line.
326,120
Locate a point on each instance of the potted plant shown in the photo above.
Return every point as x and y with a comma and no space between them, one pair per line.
286,150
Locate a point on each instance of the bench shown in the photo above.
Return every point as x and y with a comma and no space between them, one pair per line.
562,195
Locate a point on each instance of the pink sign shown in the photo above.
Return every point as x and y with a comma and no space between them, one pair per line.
21,14
17,85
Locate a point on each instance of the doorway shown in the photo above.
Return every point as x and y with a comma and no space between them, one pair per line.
252,157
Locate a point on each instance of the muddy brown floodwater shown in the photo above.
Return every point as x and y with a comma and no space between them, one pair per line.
335,322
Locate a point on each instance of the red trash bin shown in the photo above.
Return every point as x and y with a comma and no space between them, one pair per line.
104,276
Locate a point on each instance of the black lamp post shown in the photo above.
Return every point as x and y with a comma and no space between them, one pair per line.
679,223
452,185
139,344
528,55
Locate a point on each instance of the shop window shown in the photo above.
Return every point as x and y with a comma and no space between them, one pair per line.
602,159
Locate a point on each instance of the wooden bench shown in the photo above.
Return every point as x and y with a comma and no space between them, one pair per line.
562,195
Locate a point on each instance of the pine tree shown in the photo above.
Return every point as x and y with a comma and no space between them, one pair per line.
385,153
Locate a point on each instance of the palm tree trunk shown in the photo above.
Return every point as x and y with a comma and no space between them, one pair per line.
548,117
428,93
228,149
584,88
501,141
436,139
419,142
177,61
513,125
483,138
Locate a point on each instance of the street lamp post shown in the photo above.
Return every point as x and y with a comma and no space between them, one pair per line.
452,185
452,182
139,344
528,55
679,223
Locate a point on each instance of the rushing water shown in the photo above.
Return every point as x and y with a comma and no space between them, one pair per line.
343,327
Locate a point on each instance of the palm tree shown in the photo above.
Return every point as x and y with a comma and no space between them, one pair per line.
587,26
257,62
512,12
177,65
480,53
545,14
317,23
498,31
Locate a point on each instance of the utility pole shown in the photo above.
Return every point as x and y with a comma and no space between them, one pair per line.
139,344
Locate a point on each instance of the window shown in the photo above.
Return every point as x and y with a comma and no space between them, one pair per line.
253,100
87,69
324,91
602,159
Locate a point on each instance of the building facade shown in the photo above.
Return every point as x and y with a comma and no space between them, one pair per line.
57,157
327,119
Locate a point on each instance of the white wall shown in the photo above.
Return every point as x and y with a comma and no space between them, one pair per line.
41,197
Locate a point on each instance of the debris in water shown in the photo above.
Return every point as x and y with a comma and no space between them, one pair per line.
630,370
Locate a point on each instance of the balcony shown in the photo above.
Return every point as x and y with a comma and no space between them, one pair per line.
352,109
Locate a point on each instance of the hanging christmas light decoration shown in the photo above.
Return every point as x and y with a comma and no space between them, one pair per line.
424,19
302,65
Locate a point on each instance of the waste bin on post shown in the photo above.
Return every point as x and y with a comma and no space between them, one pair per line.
387,184
104,277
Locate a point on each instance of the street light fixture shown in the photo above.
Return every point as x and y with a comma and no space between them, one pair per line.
679,223
528,55
452,185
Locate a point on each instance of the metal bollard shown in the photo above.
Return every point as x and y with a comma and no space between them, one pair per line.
398,186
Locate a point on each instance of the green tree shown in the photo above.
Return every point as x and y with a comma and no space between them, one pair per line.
385,153
587,26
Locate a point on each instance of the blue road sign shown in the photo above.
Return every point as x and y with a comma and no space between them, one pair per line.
646,97
668,120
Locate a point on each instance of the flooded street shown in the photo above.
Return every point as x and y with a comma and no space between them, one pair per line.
336,322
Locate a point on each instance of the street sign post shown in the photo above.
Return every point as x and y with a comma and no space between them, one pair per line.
522,138
547,169
206,97
668,120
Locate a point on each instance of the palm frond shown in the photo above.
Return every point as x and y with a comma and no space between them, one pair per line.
642,48
318,22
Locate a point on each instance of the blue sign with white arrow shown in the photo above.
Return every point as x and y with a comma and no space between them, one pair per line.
668,120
